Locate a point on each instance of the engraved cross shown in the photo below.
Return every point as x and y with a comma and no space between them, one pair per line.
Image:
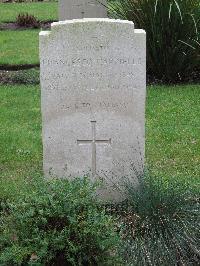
93,142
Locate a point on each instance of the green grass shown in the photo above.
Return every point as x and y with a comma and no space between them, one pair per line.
19,47
41,10
20,135
172,133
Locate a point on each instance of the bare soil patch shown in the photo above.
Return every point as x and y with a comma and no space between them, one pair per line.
18,67
45,25
29,76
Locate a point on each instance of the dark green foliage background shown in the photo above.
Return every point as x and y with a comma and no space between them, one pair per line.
173,34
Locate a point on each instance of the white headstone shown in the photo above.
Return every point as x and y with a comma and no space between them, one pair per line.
74,9
93,78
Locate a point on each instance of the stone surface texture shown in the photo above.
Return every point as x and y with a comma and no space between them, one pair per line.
75,9
93,80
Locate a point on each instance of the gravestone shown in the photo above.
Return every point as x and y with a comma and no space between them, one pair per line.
93,79
74,9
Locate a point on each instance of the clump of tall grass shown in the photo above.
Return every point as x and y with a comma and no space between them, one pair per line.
160,223
27,20
173,34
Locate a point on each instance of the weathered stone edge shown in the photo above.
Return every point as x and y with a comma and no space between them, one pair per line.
56,25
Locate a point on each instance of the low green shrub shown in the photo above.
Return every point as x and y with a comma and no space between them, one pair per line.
160,223
27,20
173,34
58,223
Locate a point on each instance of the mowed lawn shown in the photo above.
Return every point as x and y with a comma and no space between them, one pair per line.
43,11
172,133
19,47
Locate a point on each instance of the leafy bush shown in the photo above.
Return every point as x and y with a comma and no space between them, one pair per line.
160,224
58,223
27,20
173,34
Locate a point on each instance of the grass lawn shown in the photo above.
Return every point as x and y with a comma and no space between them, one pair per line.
41,10
19,47
20,135
172,133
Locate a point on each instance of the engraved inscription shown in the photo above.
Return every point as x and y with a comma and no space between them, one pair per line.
77,61
54,87
100,105
91,75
